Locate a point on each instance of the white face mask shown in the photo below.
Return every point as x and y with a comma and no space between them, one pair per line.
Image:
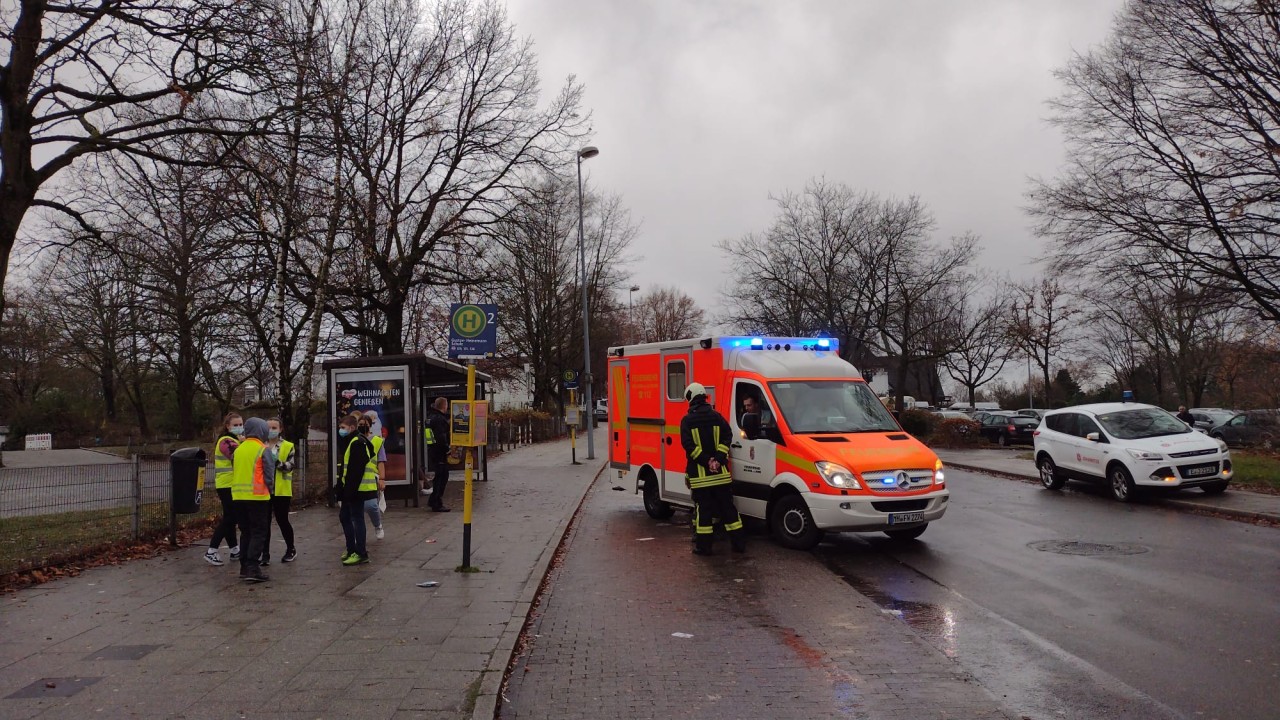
237,429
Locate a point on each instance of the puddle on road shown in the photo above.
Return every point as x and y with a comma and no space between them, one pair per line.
935,623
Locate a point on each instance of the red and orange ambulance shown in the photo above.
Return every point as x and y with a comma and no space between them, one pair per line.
820,454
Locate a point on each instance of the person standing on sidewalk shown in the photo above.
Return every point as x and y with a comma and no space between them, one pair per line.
283,452
224,449
705,435
438,452
378,464
354,488
252,479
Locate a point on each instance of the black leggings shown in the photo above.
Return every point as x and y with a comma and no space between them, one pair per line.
280,508
226,529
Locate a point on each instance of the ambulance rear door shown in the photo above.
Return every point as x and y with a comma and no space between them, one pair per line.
619,405
677,368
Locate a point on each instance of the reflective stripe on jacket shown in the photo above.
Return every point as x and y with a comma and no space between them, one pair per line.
247,479
704,434
222,463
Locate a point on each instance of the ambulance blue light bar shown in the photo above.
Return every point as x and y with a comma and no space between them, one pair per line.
765,342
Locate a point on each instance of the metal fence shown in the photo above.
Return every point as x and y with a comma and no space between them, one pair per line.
52,514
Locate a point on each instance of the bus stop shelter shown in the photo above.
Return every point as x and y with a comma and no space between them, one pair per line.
395,392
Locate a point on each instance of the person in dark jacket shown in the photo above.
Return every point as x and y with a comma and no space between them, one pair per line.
355,452
438,452
705,435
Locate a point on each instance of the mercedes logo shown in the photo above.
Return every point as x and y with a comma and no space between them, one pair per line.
904,480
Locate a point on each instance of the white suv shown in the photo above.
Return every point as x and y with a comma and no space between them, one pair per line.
1127,446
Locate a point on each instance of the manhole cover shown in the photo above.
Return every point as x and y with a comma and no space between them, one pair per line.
1073,547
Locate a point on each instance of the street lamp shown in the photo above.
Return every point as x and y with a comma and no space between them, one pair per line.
586,153
631,318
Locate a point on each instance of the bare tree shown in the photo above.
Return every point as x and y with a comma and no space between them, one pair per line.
114,76
666,313
980,349
1173,138
1041,322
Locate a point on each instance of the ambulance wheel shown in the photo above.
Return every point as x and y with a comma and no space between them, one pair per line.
653,504
792,523
908,534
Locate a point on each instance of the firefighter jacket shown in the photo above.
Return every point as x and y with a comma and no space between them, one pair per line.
438,438
705,434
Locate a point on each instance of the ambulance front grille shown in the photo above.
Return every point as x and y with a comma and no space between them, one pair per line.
891,480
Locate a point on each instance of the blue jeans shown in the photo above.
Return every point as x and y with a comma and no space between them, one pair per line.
352,518
375,515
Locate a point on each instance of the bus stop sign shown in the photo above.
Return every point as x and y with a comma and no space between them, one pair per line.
473,331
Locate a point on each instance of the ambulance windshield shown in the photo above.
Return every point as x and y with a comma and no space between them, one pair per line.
831,406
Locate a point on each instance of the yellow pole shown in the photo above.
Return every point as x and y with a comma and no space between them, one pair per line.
467,473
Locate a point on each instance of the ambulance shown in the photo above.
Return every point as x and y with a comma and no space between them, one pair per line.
820,453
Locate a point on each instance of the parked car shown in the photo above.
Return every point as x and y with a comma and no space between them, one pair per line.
601,412
1128,446
1207,419
1031,412
980,416
953,415
1259,428
1011,429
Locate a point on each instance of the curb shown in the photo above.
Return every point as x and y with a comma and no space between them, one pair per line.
1174,503
486,706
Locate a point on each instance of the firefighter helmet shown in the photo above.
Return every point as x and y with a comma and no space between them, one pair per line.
693,391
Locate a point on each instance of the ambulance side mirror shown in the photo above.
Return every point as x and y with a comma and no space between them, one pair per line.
751,426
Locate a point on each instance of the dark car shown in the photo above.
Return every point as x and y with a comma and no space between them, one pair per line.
1008,429
1207,419
980,416
1255,427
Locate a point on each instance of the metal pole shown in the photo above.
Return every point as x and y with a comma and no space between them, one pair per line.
468,474
137,497
586,324
573,435
1031,402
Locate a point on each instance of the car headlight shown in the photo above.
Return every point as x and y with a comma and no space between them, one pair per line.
1222,445
1144,455
837,476
939,477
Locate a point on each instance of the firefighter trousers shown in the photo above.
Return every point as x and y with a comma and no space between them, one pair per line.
715,504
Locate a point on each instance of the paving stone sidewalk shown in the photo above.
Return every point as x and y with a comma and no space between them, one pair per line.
173,637
771,634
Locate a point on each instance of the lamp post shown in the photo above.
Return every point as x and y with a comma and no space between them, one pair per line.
586,153
631,318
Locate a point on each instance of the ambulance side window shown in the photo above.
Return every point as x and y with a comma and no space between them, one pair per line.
676,380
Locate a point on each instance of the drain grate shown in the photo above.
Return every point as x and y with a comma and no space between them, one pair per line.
123,652
54,687
1073,547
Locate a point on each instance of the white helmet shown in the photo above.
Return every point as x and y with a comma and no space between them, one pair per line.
693,391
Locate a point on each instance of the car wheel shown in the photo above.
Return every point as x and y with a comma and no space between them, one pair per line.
907,534
653,502
792,524
1121,483
1216,488
1049,475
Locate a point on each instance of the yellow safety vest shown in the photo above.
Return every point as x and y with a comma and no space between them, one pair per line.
370,479
247,481
429,435
703,479
284,480
222,464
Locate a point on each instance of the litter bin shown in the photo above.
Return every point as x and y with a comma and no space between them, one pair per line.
186,473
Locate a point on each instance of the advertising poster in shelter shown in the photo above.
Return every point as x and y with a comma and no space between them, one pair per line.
381,396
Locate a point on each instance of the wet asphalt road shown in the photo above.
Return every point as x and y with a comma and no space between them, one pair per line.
1169,615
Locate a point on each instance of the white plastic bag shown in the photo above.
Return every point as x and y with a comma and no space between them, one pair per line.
382,501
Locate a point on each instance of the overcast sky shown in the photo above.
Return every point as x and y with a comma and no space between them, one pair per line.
703,109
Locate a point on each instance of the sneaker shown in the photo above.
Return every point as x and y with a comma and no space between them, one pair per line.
354,559
257,578
346,555
378,533
211,557
235,553
289,555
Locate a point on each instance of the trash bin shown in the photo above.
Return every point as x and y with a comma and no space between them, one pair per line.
186,473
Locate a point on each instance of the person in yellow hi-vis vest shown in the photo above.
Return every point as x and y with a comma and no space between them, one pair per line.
282,496
253,476
378,465
223,448
357,484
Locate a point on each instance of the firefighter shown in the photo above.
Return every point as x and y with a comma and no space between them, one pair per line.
705,435
438,452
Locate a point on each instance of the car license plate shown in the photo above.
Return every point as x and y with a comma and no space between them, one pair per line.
1201,470
904,518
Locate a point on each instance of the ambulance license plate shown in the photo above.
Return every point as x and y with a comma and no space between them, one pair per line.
903,518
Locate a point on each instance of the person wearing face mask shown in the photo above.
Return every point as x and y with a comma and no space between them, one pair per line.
378,466
355,486
282,496
224,449
253,478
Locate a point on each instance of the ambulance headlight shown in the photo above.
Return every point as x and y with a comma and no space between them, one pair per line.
837,476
